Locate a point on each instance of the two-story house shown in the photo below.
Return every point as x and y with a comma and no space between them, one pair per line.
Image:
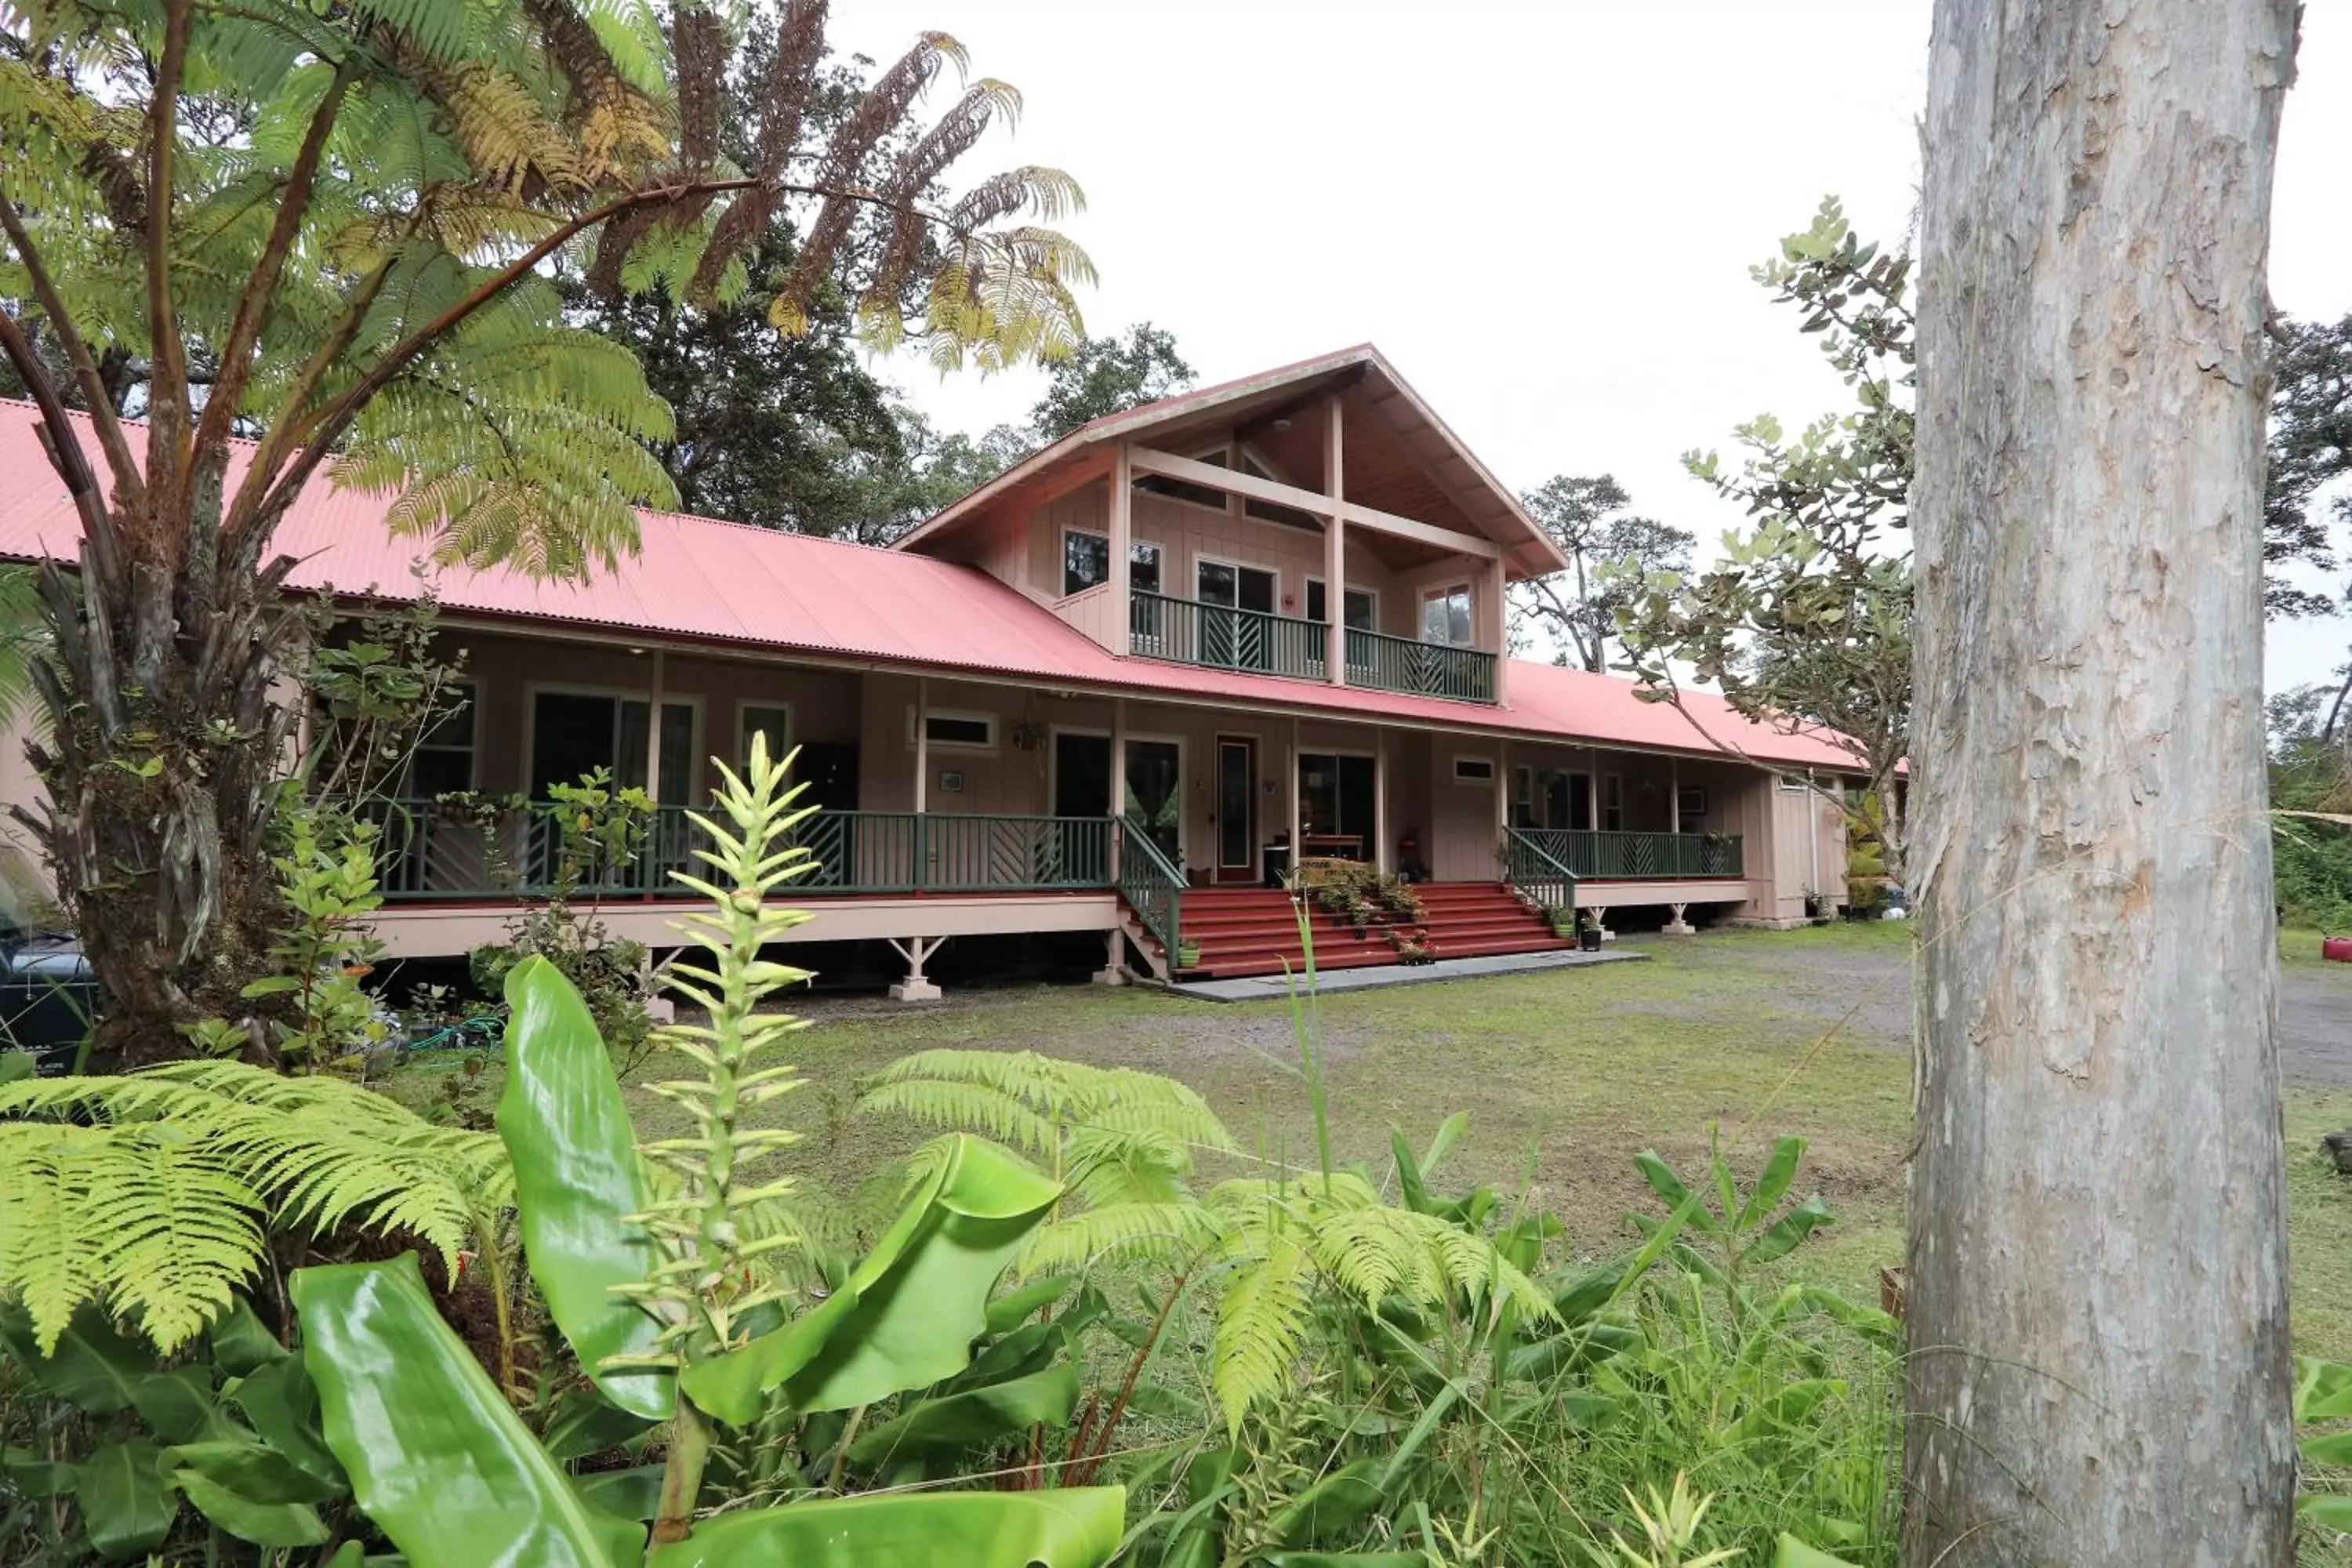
1122,689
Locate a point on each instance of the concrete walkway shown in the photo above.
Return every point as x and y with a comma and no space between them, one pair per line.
1261,987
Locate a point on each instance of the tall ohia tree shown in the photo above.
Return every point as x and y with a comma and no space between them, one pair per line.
331,230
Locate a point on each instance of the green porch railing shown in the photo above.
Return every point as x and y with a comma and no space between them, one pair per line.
1384,663
1151,885
1531,867
428,853
1185,631
1600,854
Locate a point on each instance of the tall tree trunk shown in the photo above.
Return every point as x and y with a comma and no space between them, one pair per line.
2099,1325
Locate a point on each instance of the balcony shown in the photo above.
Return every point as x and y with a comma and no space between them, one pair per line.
1218,637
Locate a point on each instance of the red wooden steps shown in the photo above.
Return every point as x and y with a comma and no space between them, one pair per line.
1245,932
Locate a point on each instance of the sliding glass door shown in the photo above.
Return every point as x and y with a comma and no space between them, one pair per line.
574,733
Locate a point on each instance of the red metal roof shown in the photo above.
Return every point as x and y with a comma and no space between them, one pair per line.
695,579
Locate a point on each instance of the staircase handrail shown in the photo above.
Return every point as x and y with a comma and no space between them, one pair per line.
1150,884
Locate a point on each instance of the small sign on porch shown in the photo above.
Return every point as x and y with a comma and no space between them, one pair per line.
951,781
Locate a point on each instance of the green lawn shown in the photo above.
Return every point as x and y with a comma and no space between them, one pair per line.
1566,1075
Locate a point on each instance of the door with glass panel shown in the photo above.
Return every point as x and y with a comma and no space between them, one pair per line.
573,735
1237,809
1236,605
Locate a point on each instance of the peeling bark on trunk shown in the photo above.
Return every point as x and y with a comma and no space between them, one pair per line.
2099,1361
160,773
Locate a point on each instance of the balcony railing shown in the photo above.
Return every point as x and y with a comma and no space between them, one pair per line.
1598,853
1186,631
1384,663
430,852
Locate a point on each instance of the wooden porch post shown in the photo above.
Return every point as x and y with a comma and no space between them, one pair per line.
922,743
1121,518
1382,853
1118,779
1334,558
1592,794
1297,831
1502,788
655,697
1674,795
1498,581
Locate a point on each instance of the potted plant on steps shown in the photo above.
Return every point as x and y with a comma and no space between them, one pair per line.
1188,953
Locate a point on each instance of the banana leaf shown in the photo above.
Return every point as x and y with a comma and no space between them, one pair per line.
124,1490
907,1316
577,1180
93,1368
283,1405
282,1524
975,1418
1075,1528
434,1453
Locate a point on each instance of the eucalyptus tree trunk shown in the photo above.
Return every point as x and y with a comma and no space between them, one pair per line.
2097,1295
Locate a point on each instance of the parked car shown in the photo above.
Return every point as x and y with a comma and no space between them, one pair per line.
48,996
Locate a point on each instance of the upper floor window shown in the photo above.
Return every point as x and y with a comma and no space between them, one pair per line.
1180,490
1446,615
1356,605
1085,561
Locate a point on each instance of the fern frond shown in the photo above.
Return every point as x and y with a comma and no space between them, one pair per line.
154,1201
144,1217
1261,1320
1169,1233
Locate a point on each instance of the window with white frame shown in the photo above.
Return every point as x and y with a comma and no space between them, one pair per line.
1358,607
1523,797
1445,616
772,720
1793,784
955,730
1085,562
1690,810
444,764
1612,803
1473,770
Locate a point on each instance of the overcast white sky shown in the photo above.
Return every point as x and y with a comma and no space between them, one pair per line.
1543,214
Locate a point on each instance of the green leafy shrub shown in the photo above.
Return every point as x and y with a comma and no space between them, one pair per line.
596,831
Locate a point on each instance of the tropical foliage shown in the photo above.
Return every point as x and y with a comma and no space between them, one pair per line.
1804,623
335,233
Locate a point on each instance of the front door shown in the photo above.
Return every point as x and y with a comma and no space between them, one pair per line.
1237,809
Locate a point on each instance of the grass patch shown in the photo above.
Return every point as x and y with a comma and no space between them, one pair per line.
1566,1075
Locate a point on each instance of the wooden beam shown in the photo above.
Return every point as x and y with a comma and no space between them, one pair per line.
1335,555
655,696
1150,461
1121,514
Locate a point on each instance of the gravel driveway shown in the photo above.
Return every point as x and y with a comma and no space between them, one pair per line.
1868,988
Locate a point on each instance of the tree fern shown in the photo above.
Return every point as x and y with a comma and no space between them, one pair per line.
152,1193
1064,1113
1123,1141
